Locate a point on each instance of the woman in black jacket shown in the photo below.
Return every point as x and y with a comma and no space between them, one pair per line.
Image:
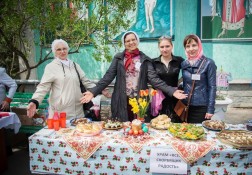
132,70
167,67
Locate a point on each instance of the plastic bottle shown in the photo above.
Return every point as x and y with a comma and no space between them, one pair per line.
56,122
62,119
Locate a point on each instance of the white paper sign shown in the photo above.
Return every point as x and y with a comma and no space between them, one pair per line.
165,160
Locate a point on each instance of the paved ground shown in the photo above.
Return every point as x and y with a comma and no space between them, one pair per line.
238,115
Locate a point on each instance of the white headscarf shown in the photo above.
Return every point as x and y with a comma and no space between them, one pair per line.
137,37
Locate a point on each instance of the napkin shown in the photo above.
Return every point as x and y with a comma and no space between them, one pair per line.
137,143
191,151
85,147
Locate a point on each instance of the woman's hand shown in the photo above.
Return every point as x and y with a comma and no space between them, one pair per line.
87,96
5,106
208,116
31,109
179,94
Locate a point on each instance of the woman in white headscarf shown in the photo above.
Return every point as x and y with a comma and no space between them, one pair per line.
133,70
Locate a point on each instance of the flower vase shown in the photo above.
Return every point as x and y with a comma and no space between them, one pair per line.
142,119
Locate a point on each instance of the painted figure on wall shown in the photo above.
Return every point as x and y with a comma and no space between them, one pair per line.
151,19
149,7
233,14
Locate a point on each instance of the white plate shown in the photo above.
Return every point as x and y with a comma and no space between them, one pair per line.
72,121
203,124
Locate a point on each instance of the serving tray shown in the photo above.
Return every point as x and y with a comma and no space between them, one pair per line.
112,128
74,121
187,131
240,139
165,128
204,124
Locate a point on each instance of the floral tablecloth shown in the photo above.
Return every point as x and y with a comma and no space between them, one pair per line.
50,154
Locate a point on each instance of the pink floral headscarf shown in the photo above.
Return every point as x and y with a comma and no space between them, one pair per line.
200,51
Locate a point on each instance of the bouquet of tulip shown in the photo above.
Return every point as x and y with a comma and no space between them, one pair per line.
140,105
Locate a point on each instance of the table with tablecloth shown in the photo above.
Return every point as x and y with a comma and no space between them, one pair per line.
8,120
54,153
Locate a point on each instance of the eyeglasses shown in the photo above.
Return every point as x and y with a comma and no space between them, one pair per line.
61,49
165,37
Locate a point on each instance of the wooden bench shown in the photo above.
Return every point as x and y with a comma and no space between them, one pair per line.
18,106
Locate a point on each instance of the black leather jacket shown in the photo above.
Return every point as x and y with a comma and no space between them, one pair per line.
171,74
119,97
205,89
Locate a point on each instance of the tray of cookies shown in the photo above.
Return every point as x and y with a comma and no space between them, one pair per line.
161,122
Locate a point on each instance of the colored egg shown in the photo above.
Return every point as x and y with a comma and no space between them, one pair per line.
127,129
143,125
145,129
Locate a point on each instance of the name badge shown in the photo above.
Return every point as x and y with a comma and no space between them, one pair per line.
195,76
137,65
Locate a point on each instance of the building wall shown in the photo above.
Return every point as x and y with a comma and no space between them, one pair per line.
234,57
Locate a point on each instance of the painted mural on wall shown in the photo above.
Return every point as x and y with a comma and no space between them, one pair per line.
226,20
153,18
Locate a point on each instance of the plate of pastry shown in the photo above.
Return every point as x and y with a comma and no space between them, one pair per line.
215,125
240,139
161,122
88,129
112,125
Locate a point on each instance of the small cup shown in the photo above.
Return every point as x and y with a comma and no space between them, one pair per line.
50,123
63,115
62,120
56,125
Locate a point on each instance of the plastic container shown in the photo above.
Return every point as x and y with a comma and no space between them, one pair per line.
63,119
56,122
50,123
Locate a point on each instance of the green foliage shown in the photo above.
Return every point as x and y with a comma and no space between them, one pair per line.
97,23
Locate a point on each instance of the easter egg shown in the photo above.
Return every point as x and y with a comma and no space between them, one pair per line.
127,129
143,125
140,132
145,129
135,132
130,132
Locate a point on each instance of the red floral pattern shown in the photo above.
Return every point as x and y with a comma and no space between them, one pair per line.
136,142
114,157
191,151
85,146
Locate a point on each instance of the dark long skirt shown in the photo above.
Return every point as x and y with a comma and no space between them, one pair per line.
197,114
